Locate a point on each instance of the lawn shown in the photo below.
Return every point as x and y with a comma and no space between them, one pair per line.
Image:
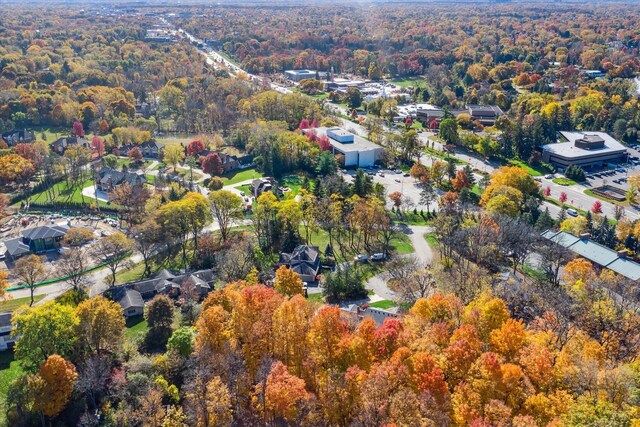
12,304
136,328
65,192
564,181
239,176
401,244
10,369
315,297
294,182
431,240
171,140
444,156
385,304
530,170
245,188
186,174
410,82
410,218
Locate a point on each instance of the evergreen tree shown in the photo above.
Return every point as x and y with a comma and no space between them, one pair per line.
361,184
562,215
589,222
468,170
545,221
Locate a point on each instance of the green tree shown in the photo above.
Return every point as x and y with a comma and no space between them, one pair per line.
181,342
226,208
327,164
159,315
353,97
449,131
44,331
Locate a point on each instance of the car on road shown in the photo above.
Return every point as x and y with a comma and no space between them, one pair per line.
242,193
590,177
381,174
379,256
548,176
397,180
406,174
362,258
572,212
397,171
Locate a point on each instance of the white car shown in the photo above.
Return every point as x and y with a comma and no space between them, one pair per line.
572,212
549,176
379,256
362,258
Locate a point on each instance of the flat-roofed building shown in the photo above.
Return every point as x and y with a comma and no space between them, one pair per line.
297,75
584,149
353,149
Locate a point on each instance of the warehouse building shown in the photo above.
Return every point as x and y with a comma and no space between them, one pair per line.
351,150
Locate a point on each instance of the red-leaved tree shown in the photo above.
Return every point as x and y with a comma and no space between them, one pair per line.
194,148
98,145
597,207
78,129
212,164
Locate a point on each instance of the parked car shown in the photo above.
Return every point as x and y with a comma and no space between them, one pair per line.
397,171
397,180
362,258
379,256
381,174
572,212
548,176
406,174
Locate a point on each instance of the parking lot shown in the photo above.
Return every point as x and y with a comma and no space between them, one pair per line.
394,180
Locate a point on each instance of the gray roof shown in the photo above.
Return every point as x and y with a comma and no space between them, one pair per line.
16,247
5,320
378,315
130,299
45,232
596,253
115,177
570,150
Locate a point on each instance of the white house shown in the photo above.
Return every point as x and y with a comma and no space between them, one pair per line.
355,150
6,340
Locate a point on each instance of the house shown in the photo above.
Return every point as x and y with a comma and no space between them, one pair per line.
355,314
131,302
18,137
36,240
353,150
132,296
584,149
148,149
108,179
304,260
6,340
616,261
261,185
60,145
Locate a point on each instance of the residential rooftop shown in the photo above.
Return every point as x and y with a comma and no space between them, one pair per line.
596,253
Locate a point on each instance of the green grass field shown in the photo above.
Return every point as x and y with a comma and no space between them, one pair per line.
64,192
530,170
10,369
409,82
431,240
136,328
239,176
385,304
12,304
564,181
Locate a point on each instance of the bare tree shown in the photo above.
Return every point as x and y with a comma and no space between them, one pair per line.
552,257
30,270
72,266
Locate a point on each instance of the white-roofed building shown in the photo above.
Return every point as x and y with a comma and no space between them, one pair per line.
354,150
585,149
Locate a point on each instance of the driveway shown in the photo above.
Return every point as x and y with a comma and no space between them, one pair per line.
423,253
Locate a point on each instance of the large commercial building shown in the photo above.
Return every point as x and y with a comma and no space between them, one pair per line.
297,75
584,149
352,150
